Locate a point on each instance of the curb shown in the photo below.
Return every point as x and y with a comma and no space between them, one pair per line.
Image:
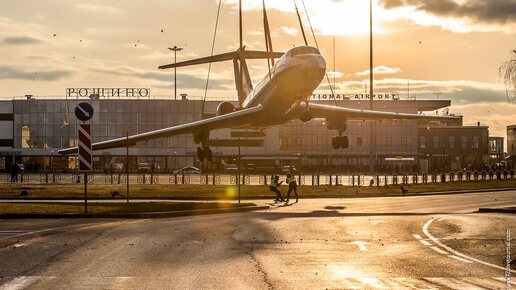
497,210
143,215
251,197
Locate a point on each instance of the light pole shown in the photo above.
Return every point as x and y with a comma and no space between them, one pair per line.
372,140
175,49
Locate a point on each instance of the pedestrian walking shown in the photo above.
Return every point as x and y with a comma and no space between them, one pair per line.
274,187
292,186
14,173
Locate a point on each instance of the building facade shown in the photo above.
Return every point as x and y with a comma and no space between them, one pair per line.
511,139
33,129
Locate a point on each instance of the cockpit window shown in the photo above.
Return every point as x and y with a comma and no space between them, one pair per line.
303,50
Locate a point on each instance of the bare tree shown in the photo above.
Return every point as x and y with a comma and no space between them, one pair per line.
507,72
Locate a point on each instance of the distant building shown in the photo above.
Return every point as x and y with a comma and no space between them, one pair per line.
33,129
495,150
453,148
511,146
511,139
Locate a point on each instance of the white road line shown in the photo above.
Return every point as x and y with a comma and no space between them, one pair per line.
361,245
33,232
502,279
452,283
421,240
425,243
439,250
459,259
21,282
436,240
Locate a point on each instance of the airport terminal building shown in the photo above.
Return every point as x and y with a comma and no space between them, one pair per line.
33,129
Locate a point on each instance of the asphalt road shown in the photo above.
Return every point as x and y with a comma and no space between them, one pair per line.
424,242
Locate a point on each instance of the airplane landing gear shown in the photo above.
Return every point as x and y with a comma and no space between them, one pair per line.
204,153
305,116
340,142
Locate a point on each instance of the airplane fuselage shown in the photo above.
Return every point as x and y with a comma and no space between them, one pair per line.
292,79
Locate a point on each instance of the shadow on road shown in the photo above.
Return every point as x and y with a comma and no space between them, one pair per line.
336,213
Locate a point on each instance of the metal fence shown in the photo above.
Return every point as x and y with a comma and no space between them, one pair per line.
225,179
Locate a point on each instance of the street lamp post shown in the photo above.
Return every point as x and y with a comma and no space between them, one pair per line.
372,136
175,49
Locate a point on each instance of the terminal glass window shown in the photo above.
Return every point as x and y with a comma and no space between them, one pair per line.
475,142
359,141
452,142
436,142
464,141
389,141
422,142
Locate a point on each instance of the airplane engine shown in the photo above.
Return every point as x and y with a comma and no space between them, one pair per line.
224,108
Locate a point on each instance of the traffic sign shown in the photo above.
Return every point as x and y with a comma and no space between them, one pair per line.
85,152
84,111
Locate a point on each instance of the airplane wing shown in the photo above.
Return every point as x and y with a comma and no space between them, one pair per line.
248,54
323,111
217,122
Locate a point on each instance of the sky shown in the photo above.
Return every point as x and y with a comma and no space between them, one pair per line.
450,49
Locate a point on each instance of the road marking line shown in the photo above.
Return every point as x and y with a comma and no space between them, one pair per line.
439,250
425,243
361,245
459,259
452,283
421,240
436,240
502,279
19,283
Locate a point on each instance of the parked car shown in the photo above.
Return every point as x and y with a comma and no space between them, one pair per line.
288,169
188,170
144,167
250,167
118,167
231,168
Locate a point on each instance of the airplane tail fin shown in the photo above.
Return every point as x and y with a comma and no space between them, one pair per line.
247,86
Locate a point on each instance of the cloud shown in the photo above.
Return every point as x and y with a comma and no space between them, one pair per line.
289,30
97,8
381,69
460,91
496,115
7,72
21,40
184,80
488,11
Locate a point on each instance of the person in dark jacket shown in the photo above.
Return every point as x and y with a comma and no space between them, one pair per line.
14,173
292,186
274,187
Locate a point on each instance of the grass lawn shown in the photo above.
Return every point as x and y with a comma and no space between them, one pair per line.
109,207
230,192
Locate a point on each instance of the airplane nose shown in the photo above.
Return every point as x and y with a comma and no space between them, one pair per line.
317,67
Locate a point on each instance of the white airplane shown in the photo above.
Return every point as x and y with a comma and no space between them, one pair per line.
282,96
